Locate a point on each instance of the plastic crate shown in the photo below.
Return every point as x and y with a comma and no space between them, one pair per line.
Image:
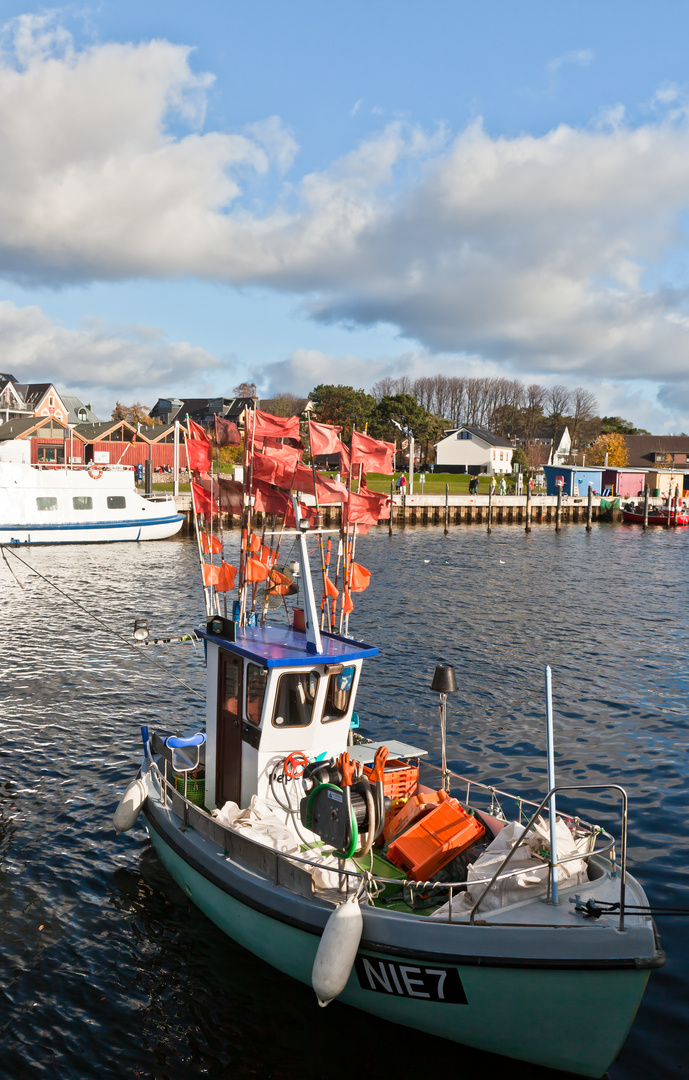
400,781
413,809
196,790
434,840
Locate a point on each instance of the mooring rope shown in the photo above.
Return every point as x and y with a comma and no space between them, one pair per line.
4,548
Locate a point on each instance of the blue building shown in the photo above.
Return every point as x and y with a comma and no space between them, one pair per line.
576,479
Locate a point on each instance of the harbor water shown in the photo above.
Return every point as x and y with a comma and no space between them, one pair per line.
109,972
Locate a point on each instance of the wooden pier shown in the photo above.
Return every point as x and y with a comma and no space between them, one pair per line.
464,510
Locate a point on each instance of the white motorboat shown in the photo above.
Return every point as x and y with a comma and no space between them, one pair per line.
49,504
426,898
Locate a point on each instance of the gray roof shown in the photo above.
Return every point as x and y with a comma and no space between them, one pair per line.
72,405
481,433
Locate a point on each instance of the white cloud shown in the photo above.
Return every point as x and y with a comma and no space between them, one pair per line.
530,252
100,363
356,106
580,57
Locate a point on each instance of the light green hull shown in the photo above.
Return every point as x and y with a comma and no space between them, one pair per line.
575,1020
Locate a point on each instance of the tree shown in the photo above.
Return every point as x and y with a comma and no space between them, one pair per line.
404,410
616,425
532,413
614,446
519,458
342,405
246,389
558,399
585,408
133,414
285,404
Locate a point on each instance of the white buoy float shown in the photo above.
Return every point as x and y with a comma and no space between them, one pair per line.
129,806
337,951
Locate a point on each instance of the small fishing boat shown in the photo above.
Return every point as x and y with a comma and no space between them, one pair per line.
57,504
433,900
633,513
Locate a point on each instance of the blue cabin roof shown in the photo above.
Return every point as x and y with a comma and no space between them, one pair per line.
281,646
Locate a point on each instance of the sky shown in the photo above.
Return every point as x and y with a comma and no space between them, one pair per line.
303,191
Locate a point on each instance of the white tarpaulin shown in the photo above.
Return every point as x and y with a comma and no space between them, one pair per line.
531,860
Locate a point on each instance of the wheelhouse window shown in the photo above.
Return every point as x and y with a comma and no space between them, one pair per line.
116,502
338,694
46,502
295,698
82,502
256,678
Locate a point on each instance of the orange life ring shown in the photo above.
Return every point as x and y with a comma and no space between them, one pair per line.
95,472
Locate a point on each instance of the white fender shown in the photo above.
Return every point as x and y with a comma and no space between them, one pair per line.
130,805
337,951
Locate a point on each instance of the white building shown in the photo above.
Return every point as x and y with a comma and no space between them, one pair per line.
473,450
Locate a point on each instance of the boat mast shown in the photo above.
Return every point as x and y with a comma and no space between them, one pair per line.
313,633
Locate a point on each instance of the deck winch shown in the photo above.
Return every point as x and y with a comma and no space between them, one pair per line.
339,808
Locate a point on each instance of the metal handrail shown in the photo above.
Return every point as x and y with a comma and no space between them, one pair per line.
460,886
553,862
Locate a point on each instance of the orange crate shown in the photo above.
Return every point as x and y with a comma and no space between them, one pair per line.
401,779
433,842
413,809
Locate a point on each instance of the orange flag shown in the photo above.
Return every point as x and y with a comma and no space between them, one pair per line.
222,577
348,605
255,570
210,544
330,589
361,578
280,583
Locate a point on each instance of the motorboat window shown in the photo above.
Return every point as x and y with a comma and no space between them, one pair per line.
338,694
46,502
256,678
82,502
116,502
294,700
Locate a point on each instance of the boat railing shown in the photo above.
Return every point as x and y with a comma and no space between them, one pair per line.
159,496
554,860
256,854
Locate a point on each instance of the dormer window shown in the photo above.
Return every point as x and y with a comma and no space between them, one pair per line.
463,434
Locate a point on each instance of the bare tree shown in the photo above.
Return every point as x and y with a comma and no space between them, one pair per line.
558,400
585,408
532,414
386,387
246,389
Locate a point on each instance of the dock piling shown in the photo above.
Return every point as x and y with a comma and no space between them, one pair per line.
645,507
447,508
528,508
589,509
558,510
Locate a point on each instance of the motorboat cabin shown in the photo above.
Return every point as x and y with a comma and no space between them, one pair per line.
269,697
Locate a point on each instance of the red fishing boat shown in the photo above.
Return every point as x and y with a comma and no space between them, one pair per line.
633,513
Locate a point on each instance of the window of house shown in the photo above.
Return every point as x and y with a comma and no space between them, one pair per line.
256,678
51,401
463,434
51,455
46,502
82,414
338,694
294,700
116,502
82,502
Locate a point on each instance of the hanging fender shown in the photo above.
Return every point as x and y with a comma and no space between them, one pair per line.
337,951
129,806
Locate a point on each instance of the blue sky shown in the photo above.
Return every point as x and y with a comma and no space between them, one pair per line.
305,192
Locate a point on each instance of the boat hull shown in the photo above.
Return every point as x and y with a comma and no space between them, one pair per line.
562,1014
634,518
92,532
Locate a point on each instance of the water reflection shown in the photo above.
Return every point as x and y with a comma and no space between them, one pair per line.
108,971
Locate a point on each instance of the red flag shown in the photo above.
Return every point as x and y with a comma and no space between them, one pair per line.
345,459
202,501
348,605
199,454
273,470
361,578
269,500
324,438
374,455
226,433
231,496
267,424
330,491
367,507
197,432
